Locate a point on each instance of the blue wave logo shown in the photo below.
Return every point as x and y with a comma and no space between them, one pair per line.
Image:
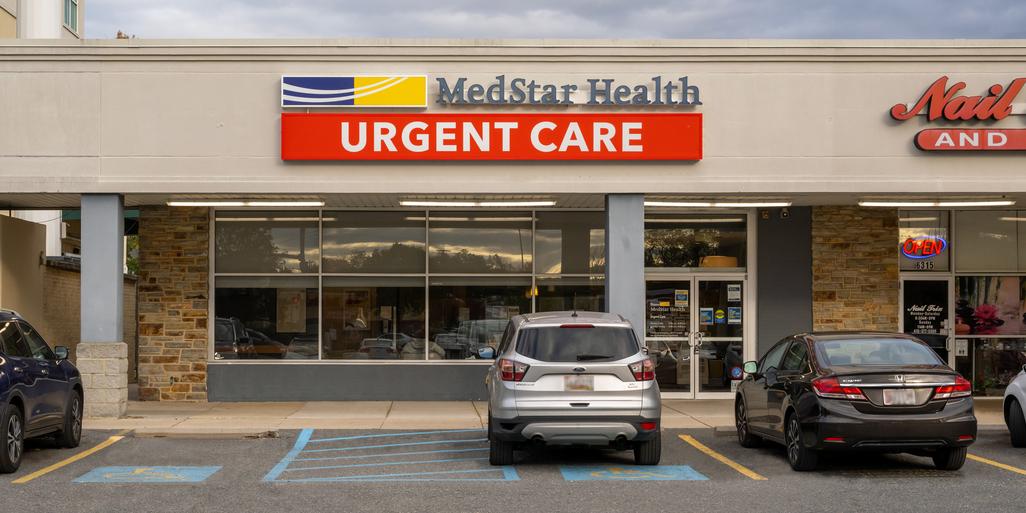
354,91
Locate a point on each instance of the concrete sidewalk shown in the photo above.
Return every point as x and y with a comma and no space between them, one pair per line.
197,419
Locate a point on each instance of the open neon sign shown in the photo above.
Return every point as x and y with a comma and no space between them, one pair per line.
926,246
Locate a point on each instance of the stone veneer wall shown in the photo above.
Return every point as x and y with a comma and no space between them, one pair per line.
173,296
854,269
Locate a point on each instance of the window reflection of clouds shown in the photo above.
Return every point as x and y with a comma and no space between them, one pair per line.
483,243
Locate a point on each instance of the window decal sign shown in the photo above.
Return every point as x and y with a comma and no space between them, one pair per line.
926,246
943,103
505,136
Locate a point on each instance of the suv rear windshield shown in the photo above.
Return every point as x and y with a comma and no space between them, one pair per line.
876,351
597,344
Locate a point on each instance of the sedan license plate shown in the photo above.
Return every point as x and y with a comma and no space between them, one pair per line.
899,397
576,383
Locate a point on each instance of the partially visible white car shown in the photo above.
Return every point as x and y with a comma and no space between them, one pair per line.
1015,409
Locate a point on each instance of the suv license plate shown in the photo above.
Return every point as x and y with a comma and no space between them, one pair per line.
576,383
899,397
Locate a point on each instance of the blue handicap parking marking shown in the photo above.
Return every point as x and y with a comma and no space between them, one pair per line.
147,475
443,455
631,473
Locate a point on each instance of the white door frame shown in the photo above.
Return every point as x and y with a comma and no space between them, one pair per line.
748,320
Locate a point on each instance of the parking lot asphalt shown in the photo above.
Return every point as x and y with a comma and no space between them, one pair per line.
447,470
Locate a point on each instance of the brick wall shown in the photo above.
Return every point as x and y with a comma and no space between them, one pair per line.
854,269
173,296
61,322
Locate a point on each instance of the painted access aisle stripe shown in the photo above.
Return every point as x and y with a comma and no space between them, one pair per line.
631,473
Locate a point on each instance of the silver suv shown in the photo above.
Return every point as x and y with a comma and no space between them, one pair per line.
577,378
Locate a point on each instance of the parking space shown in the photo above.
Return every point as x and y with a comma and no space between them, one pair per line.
315,466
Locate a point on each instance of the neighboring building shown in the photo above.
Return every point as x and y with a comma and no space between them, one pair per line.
41,19
358,228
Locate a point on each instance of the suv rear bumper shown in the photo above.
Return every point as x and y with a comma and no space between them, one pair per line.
565,431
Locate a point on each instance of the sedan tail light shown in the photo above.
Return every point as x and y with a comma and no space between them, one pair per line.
643,370
830,388
961,388
512,370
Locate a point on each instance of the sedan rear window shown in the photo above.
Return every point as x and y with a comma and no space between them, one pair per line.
876,351
577,344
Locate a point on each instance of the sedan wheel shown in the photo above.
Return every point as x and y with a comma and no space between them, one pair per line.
744,434
799,456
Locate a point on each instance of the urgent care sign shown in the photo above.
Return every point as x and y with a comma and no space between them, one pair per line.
505,136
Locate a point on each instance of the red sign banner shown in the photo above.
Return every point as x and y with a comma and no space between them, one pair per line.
967,139
534,136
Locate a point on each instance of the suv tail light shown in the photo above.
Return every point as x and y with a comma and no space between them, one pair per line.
512,370
961,388
643,370
830,388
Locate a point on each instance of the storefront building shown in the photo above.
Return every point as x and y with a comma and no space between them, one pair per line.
326,220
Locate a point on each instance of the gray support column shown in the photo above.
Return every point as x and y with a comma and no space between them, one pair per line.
102,355
625,258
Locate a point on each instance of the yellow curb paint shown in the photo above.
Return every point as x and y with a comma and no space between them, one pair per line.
92,450
741,469
997,464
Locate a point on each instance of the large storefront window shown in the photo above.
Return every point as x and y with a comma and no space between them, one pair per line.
395,285
695,240
266,242
265,318
992,311
471,312
373,318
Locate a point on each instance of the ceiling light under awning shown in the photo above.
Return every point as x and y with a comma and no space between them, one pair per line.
245,203
718,204
465,203
936,204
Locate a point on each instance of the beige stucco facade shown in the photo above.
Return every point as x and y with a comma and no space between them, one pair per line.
791,118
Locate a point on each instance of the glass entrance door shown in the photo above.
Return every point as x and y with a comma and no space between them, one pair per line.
719,347
668,332
926,311
694,330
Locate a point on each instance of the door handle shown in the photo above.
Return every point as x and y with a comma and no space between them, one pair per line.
19,370
45,372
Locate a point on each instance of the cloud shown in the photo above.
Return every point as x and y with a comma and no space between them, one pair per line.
557,19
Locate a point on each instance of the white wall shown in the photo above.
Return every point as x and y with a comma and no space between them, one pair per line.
780,117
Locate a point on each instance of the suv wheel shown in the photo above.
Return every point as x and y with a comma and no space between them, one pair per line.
500,452
71,434
649,451
13,424
950,459
799,456
1016,424
744,433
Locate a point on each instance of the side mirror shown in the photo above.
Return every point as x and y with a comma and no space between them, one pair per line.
485,353
61,352
751,368
644,349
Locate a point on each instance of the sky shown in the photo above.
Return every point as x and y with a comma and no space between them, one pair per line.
640,19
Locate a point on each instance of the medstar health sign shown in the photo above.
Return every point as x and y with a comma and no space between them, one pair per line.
510,136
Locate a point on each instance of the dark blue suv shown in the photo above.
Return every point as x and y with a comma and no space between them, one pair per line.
40,391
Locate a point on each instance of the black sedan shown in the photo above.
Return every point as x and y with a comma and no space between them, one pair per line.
856,391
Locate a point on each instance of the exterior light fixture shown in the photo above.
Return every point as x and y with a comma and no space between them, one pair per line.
935,204
718,204
458,203
254,203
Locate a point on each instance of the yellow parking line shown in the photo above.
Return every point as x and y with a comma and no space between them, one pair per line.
92,450
997,464
743,470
